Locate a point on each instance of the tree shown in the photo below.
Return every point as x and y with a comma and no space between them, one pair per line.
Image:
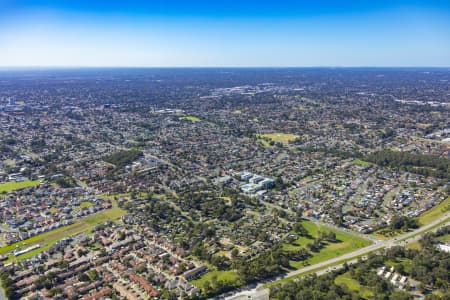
301,230
207,285
234,253
400,268
83,277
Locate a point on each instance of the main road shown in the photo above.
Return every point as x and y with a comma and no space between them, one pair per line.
351,257
406,237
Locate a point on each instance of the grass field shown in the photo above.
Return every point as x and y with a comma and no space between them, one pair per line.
48,239
264,142
190,118
361,162
416,245
413,245
439,224
85,204
435,213
12,185
112,196
346,243
302,108
352,284
407,263
330,265
225,276
445,238
424,219
386,234
277,137
424,125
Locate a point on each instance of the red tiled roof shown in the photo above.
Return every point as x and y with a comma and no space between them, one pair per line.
145,285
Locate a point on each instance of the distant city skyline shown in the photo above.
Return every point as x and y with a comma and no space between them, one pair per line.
219,34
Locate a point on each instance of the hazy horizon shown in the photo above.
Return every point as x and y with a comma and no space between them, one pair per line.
56,67
41,33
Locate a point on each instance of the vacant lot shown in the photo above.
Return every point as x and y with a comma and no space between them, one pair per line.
345,243
13,185
352,284
48,239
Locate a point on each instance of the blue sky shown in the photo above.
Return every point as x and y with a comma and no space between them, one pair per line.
224,33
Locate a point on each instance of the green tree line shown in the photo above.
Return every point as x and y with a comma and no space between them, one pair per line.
427,165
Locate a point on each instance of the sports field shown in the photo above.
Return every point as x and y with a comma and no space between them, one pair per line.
13,185
277,137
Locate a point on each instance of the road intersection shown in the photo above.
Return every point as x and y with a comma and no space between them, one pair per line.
351,257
